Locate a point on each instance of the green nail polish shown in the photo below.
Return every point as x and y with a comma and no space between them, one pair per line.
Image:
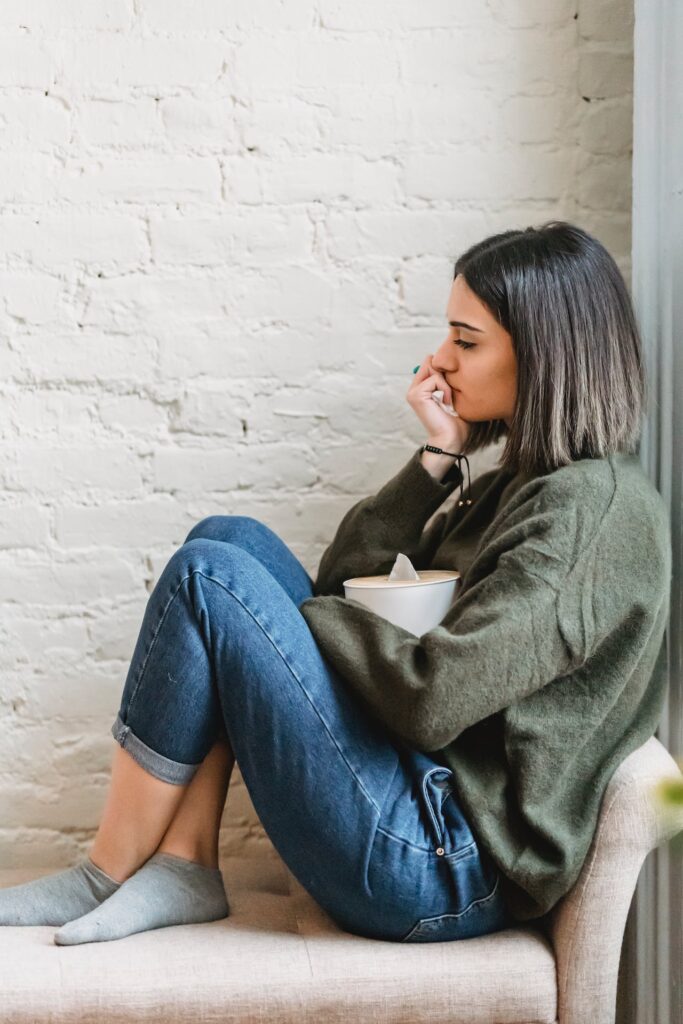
416,368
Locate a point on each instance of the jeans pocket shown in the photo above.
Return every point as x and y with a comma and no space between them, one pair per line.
483,915
466,881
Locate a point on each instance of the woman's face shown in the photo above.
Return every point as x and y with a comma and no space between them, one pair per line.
478,361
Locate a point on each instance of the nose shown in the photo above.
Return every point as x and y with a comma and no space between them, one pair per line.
446,358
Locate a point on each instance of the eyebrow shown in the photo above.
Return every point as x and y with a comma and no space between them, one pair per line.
461,323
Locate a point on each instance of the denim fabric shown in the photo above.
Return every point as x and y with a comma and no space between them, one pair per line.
368,826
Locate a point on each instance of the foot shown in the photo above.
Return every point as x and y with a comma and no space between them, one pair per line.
56,899
166,890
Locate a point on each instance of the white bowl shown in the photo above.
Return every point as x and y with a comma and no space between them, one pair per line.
416,605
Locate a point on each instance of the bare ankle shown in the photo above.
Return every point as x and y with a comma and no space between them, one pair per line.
198,854
110,867
119,864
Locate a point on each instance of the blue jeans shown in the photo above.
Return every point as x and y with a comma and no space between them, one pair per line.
369,827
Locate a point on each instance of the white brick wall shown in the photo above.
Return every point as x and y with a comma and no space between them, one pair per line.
227,237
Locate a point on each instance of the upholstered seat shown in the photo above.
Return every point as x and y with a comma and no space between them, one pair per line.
279,958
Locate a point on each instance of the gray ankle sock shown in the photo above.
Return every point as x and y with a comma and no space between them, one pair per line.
166,890
56,899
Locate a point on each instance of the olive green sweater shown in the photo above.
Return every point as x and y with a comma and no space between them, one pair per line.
547,670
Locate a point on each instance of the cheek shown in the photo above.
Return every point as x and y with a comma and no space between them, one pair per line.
500,377
486,388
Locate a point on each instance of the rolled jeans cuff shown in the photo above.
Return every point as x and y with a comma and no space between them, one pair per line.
175,772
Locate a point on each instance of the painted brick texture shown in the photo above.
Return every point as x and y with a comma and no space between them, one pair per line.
227,237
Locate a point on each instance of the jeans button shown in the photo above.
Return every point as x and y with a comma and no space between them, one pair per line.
440,851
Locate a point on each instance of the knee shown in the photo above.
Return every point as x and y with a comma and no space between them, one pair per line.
202,555
226,528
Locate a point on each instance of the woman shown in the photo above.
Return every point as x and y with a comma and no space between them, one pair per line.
421,788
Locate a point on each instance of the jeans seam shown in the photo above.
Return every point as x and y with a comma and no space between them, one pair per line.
439,917
474,903
461,852
404,842
212,579
428,849
154,639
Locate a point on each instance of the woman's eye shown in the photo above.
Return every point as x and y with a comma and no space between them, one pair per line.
465,344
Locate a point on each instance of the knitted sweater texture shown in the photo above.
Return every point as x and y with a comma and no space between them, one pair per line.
547,670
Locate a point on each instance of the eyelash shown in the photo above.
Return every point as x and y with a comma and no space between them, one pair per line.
465,344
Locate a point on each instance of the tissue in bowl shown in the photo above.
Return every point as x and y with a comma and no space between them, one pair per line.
403,569
417,605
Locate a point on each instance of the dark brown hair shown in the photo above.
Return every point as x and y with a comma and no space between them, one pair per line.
580,375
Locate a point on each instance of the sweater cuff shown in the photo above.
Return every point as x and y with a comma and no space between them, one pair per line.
413,494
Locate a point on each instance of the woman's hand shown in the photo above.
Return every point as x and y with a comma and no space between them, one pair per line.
444,431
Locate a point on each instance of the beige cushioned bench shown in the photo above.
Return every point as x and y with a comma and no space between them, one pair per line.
279,957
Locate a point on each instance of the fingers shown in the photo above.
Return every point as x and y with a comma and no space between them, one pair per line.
428,375
443,385
424,370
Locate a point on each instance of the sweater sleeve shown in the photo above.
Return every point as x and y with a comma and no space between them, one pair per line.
501,641
375,529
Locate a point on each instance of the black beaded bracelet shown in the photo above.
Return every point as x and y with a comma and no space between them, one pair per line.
439,451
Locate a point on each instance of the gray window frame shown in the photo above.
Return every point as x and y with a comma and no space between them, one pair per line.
651,974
